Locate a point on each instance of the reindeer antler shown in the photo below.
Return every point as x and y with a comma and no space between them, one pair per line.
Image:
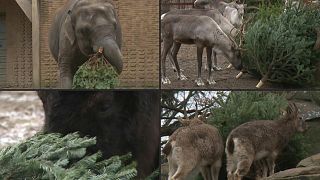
292,109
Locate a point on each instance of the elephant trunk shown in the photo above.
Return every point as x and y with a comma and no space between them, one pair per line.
111,52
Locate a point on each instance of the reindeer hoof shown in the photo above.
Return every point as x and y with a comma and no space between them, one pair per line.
211,81
239,75
165,80
183,77
216,68
260,84
199,82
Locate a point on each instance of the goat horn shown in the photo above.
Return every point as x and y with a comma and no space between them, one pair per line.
196,114
241,49
185,111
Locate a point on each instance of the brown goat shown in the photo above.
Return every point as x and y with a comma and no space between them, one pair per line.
258,143
196,146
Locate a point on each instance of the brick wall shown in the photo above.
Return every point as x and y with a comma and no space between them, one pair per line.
19,46
48,66
140,26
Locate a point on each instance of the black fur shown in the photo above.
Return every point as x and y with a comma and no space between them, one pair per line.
123,122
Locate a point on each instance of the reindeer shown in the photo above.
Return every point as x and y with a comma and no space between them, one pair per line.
193,147
260,142
202,31
222,21
233,11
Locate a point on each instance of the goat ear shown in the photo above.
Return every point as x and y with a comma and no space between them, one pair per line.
180,119
68,30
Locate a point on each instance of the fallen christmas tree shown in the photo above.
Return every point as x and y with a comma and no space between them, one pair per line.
53,156
96,73
281,48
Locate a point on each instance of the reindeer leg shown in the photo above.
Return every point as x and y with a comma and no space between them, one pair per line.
200,48
172,63
215,62
209,62
167,44
175,50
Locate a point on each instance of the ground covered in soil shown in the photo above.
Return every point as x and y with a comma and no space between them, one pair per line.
21,116
225,78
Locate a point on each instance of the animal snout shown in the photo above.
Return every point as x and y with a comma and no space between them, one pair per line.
239,67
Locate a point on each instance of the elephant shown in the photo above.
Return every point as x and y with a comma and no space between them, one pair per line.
80,28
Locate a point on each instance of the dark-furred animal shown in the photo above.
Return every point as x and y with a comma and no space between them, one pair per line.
122,121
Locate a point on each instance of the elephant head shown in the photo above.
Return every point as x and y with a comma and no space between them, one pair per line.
91,24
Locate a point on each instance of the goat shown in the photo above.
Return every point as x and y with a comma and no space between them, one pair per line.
223,22
196,146
202,31
263,140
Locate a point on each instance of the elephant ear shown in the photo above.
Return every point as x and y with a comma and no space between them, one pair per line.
68,30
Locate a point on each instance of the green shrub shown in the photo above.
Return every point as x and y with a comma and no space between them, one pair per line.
52,156
281,47
96,74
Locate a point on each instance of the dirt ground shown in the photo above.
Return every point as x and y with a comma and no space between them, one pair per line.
21,116
225,78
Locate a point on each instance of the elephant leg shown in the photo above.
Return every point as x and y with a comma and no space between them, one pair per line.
66,73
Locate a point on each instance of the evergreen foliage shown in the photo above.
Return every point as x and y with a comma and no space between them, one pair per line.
280,47
53,156
154,175
96,73
241,107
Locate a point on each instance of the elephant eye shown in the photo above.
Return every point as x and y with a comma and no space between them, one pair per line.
84,30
